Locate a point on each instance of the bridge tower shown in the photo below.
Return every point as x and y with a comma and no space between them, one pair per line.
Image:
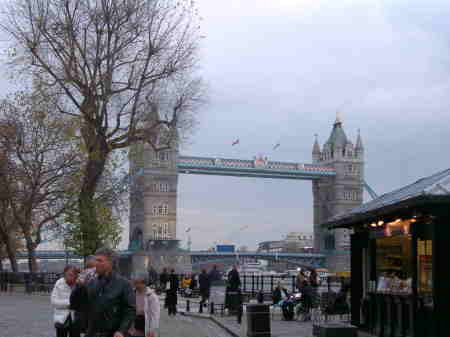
153,191
337,194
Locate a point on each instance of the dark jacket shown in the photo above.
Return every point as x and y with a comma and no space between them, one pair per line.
193,284
172,292
111,304
214,276
234,281
79,303
163,278
204,283
277,296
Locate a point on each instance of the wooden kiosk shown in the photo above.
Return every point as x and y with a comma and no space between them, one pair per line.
400,260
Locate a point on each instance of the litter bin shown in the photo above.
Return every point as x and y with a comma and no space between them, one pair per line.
258,320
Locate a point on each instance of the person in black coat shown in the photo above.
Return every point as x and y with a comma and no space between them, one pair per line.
204,286
234,281
172,293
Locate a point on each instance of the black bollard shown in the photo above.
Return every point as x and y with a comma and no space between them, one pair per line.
188,306
200,309
212,308
239,314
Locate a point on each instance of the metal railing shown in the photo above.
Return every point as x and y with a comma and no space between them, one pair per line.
28,282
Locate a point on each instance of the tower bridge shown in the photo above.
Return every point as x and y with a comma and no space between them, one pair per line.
336,172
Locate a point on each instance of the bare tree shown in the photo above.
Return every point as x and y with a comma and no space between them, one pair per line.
40,167
114,61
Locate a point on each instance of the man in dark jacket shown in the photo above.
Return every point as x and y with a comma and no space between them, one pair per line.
172,293
111,300
204,286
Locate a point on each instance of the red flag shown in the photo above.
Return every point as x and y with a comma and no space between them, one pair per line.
235,142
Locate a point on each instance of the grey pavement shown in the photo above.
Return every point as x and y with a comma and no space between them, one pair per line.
279,327
31,316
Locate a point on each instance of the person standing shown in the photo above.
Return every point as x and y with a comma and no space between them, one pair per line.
60,300
300,280
204,286
146,322
163,279
111,300
78,298
214,276
172,293
234,280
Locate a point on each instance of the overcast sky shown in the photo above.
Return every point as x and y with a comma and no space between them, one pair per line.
279,69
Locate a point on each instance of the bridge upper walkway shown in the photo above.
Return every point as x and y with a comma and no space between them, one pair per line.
259,167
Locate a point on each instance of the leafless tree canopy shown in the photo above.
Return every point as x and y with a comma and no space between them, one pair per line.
126,70
113,60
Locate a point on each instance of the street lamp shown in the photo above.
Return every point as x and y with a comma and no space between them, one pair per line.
189,242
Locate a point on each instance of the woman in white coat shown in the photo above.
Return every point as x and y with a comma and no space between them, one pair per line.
60,300
146,323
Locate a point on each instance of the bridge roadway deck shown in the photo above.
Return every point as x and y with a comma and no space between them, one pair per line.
61,254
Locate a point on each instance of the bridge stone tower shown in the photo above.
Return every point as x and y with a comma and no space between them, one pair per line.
153,194
337,194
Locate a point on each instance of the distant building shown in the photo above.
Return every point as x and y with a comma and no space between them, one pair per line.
271,246
294,242
298,241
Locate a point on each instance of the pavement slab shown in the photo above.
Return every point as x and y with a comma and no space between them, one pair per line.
24,315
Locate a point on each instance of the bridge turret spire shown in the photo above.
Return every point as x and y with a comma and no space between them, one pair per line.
316,150
359,143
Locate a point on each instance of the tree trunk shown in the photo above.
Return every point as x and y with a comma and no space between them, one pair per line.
31,248
95,166
10,252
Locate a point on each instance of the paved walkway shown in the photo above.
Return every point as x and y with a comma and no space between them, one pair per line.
31,316
279,327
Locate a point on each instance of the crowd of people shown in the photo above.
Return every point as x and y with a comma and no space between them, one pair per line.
98,302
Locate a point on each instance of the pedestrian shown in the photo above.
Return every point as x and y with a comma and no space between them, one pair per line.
172,293
60,300
146,322
163,286
234,280
79,296
300,280
3,281
194,282
204,286
163,279
111,300
214,276
152,275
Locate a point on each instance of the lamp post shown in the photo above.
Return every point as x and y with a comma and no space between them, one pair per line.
189,242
